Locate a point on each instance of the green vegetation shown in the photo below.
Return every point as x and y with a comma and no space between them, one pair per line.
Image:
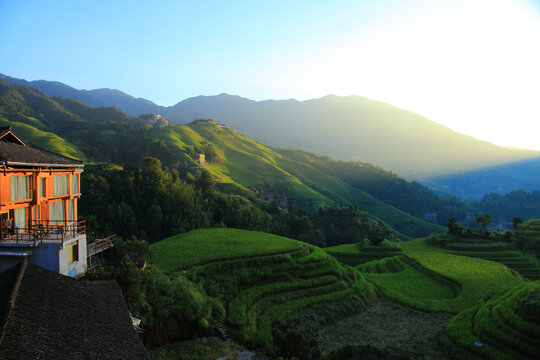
208,271
46,140
171,308
203,246
481,247
505,327
528,236
257,277
404,276
439,282
356,254
234,160
303,177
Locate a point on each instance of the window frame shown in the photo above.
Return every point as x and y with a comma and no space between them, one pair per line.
73,252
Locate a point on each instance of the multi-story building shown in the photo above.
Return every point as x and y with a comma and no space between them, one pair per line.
39,191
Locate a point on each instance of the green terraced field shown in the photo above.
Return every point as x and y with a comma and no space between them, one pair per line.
413,284
478,278
439,282
527,266
356,254
507,326
258,277
202,246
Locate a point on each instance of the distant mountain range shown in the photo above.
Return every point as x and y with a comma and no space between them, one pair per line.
346,128
238,163
94,98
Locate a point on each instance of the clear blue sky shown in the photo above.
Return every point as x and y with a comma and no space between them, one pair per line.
165,50
469,64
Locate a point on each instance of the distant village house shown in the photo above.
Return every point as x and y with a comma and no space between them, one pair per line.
154,120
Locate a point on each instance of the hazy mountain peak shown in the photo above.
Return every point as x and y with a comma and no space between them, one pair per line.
349,128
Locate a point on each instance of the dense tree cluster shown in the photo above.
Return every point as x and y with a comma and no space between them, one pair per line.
519,203
152,203
411,197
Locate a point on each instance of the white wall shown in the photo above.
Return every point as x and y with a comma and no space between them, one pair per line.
76,268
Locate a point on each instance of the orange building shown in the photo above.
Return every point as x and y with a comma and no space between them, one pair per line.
38,207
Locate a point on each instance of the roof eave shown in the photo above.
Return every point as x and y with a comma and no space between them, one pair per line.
19,163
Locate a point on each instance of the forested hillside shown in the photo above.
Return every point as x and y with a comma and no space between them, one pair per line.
235,161
346,128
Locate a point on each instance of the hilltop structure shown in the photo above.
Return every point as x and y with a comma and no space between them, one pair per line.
154,120
39,191
45,315
200,159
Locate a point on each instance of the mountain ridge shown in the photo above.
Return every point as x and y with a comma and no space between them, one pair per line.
347,128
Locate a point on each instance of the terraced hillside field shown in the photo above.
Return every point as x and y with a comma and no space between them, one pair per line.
257,277
505,327
527,266
360,253
439,282
244,162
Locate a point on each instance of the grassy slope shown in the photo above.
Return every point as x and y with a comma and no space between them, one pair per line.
272,276
426,264
530,229
478,278
32,133
499,325
356,254
514,259
202,246
409,282
246,162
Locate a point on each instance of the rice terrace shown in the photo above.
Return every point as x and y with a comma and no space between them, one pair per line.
281,278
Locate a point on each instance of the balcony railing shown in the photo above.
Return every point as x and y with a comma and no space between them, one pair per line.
43,231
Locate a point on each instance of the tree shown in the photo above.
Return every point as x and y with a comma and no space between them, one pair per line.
377,233
516,221
484,220
153,220
204,181
454,227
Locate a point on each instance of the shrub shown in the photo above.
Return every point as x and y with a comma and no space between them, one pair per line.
297,338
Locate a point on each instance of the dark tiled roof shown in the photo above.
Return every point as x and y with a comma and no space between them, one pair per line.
52,316
10,151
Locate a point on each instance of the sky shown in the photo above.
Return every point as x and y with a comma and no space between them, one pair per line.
472,65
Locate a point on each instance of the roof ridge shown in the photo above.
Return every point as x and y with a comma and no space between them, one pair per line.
12,299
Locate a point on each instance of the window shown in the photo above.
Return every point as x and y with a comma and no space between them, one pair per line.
56,211
42,187
73,252
75,184
36,214
60,185
20,219
19,187
71,209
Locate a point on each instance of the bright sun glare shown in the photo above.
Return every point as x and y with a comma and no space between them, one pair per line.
472,66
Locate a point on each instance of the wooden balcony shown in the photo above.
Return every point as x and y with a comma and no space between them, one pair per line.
42,231
99,246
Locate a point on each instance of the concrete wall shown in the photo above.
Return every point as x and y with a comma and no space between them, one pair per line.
50,255
45,255
76,268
